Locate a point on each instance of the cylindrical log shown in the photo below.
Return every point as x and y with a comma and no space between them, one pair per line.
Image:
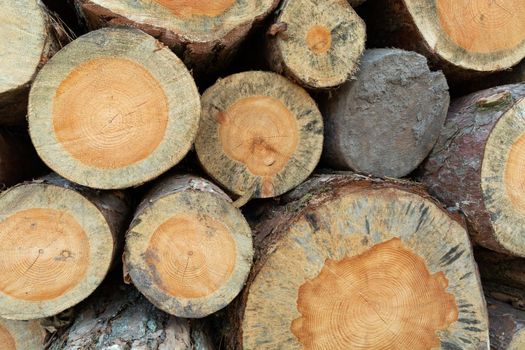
18,158
317,44
58,241
113,109
478,163
22,335
507,326
188,249
119,317
260,135
356,263
464,38
204,34
386,121
28,40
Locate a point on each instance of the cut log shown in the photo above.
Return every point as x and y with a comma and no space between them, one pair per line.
507,326
57,242
113,109
22,335
188,249
119,317
386,121
461,37
260,135
478,163
18,158
355,263
317,44
28,41
204,34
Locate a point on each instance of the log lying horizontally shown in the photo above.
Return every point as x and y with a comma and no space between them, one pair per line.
354,263
478,163
461,37
317,44
119,317
113,109
21,335
188,249
57,242
260,135
27,43
205,34
386,121
507,326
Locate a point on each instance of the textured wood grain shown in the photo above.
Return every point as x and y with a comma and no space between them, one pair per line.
113,109
21,335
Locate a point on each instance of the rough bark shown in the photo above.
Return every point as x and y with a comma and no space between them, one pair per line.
260,135
188,249
343,226
316,44
476,164
58,242
205,37
466,41
386,121
29,39
507,326
113,109
120,318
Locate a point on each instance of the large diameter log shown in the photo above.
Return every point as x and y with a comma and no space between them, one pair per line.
507,326
462,37
354,263
386,121
478,163
22,335
121,318
317,44
260,134
27,43
113,109
57,242
204,34
188,249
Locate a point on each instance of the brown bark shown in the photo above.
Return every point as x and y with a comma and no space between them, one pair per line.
507,326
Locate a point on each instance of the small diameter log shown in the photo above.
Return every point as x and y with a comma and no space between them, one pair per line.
205,34
121,318
507,326
18,158
386,121
355,263
464,38
260,135
28,40
478,163
113,109
21,335
188,249
57,242
317,44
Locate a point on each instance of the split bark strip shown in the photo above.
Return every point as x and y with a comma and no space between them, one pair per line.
22,335
188,249
119,317
259,134
352,263
28,41
113,109
204,34
507,326
316,43
58,241
465,39
386,121
478,163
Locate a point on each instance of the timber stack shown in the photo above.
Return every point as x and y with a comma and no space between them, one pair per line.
262,174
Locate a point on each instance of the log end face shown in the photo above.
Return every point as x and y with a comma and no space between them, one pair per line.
189,8
513,178
319,39
6,339
518,341
351,303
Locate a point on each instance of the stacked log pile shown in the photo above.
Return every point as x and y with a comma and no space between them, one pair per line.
262,174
